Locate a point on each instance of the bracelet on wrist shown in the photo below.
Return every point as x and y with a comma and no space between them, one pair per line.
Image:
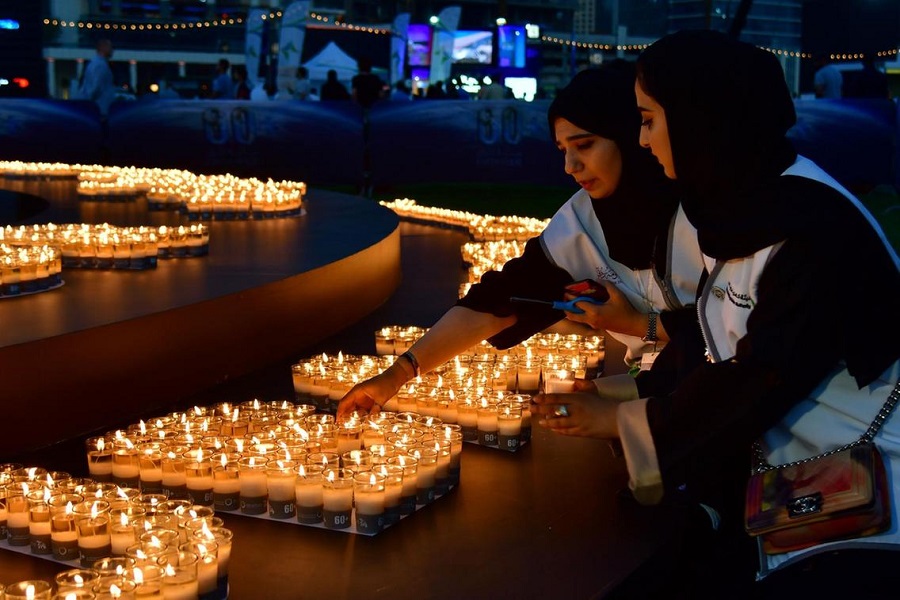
413,361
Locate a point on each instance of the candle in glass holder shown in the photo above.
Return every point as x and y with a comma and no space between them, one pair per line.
223,539
467,417
92,524
226,482
39,521
174,479
4,513
17,517
308,493
369,498
393,490
509,426
207,564
126,466
410,466
76,579
425,473
148,582
487,423
559,381
528,372
280,483
63,533
150,463
337,498
99,458
34,589
348,436
198,470
254,489
180,570
441,445
124,527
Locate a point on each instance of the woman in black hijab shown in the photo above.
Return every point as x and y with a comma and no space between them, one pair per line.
802,352
623,227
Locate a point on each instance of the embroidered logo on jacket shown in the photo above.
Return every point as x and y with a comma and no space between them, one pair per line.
605,273
739,300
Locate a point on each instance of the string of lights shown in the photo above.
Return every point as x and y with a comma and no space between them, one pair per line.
337,23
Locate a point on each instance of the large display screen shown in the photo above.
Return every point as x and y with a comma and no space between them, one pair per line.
473,47
511,46
418,45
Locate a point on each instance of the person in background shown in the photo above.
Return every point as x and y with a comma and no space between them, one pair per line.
492,90
241,85
333,89
301,87
400,92
366,87
222,85
97,80
828,81
623,227
798,358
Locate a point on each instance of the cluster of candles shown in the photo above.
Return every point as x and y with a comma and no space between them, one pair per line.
479,390
108,247
200,196
286,462
481,227
28,269
128,544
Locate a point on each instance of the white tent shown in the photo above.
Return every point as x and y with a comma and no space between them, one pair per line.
331,57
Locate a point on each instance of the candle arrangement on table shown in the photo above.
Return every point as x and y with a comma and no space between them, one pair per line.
28,270
480,227
472,390
122,543
108,247
207,197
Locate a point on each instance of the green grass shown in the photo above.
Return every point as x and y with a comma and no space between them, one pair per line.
542,201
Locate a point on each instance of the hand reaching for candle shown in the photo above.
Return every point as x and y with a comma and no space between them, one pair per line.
370,395
616,313
582,413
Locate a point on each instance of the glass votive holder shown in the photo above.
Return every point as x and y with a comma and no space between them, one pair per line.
99,458
308,493
17,516
410,466
393,490
174,478
148,582
559,381
348,435
39,522
114,566
357,460
223,539
442,468
76,579
328,460
528,373
280,481
126,467
124,526
151,503
32,589
150,463
198,471
180,570
207,564
425,473
467,418
92,524
254,490
509,426
337,498
369,499
114,587
487,423
63,533
226,481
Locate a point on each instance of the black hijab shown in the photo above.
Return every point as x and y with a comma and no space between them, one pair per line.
638,213
727,108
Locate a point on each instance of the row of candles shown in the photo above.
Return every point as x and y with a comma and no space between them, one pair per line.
212,196
30,269
482,228
285,461
128,544
105,246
